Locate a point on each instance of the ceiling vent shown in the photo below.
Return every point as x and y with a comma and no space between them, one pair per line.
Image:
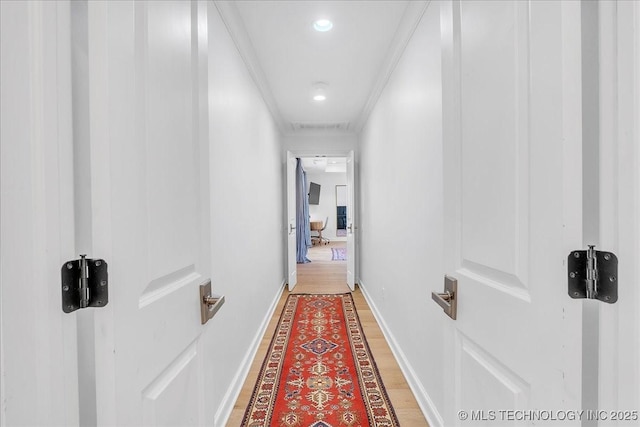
340,126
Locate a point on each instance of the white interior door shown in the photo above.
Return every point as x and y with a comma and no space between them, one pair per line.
148,209
292,277
38,343
351,241
513,207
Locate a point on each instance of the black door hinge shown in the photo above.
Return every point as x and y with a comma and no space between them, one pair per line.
593,275
85,283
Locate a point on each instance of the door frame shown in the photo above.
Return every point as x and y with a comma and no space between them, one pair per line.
619,203
351,220
327,153
291,232
38,350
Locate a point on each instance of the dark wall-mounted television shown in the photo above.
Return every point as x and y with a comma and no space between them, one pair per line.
314,193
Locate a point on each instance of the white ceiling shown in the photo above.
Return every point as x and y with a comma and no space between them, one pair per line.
320,164
286,56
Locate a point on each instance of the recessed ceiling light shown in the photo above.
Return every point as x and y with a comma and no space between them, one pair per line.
322,25
319,91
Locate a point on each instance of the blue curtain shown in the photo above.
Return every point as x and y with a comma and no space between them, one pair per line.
303,236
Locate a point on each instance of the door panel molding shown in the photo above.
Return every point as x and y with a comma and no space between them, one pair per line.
171,388
165,285
498,280
494,192
474,362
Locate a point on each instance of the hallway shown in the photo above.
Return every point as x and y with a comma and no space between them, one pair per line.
488,144
323,275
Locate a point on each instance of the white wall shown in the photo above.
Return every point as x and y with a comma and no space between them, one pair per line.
401,212
246,213
327,206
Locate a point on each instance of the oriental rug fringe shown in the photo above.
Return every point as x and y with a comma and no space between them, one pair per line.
319,371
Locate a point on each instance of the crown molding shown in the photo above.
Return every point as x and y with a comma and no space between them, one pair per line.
407,27
235,26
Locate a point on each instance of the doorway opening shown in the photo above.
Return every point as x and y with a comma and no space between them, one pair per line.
327,179
327,184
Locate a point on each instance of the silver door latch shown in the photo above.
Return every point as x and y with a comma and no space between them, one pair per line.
209,304
448,300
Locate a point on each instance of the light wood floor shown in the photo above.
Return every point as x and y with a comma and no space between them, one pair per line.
325,276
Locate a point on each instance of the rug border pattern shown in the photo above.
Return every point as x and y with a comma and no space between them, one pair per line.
281,337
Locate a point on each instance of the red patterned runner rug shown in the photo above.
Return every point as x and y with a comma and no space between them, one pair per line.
319,371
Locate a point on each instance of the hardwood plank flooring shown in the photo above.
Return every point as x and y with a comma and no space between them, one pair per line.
322,275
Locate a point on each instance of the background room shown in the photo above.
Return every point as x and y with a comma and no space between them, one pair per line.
330,174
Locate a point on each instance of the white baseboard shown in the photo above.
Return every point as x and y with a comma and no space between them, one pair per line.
425,402
230,397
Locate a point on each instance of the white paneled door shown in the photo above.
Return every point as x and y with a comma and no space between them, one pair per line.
513,208
147,119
